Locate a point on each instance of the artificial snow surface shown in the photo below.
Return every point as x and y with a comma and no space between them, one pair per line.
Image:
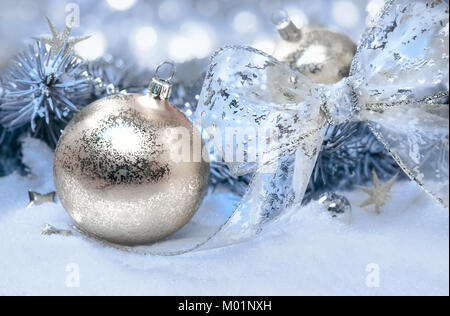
309,254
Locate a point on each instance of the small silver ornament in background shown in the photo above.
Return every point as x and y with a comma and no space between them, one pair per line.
115,173
322,55
336,205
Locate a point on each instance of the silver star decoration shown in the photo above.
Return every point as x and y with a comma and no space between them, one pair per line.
51,230
38,198
58,39
379,194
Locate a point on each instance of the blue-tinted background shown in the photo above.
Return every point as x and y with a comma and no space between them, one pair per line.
147,31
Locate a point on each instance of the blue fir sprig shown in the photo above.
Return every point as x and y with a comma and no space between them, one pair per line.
221,176
10,151
109,76
348,155
43,91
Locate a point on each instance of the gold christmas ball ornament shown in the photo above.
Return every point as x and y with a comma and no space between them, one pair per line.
118,169
322,55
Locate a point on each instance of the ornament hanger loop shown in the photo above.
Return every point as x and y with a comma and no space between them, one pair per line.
279,16
172,65
286,28
161,88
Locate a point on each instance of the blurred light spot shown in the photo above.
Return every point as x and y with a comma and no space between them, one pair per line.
264,44
179,48
245,22
193,41
207,7
345,13
92,48
169,10
144,38
143,42
121,4
297,16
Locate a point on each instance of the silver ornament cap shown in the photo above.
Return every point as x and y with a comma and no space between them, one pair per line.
160,88
286,28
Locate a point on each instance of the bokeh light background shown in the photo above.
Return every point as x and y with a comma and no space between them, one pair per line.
145,32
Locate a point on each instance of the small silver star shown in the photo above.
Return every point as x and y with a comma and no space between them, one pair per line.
379,194
51,230
38,198
58,39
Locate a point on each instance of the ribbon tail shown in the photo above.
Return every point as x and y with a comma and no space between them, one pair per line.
280,193
304,165
417,137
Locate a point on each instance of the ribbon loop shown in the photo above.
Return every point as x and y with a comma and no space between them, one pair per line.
256,108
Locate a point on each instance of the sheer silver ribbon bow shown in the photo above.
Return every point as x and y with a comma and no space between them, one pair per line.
398,83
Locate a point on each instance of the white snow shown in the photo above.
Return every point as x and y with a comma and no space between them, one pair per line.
309,253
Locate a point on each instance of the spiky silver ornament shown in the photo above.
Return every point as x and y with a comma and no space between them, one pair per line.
44,91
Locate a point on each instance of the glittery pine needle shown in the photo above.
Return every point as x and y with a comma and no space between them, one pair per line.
59,40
